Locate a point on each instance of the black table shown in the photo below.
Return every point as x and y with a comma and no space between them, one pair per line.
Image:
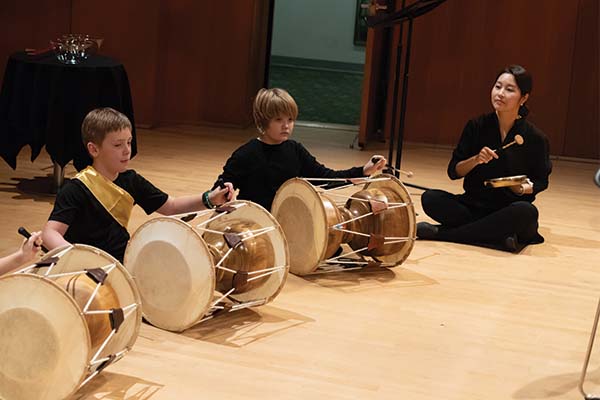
43,103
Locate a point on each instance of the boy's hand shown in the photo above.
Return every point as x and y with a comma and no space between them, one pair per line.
375,164
221,195
31,247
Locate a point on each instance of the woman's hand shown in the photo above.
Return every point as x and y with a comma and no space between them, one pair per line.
486,155
524,188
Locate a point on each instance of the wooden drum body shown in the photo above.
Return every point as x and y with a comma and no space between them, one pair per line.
62,321
376,221
239,251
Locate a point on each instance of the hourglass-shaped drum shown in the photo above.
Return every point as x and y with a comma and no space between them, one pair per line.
377,222
238,250
63,320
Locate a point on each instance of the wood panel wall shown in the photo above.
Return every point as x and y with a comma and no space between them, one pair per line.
188,61
30,24
200,62
458,48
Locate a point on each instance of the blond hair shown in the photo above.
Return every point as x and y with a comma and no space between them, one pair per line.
101,121
269,104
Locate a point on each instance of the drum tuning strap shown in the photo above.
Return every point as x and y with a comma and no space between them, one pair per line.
233,239
240,278
378,206
189,217
46,262
376,241
98,275
116,318
225,209
106,363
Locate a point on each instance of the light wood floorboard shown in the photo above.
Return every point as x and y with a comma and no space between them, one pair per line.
453,321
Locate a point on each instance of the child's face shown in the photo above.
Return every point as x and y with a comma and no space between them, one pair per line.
279,130
113,154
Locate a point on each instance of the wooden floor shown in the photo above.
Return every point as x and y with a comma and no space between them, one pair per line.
452,322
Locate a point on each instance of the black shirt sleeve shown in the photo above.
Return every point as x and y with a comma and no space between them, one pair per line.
69,201
311,168
464,149
145,194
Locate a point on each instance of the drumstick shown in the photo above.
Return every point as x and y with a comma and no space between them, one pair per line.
22,231
376,159
518,140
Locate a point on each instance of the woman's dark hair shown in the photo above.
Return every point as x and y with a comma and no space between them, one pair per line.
524,82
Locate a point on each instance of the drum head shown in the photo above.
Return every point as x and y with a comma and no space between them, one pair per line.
400,222
174,271
299,210
251,214
79,257
44,340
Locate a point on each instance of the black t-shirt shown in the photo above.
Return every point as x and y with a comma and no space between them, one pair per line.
90,223
531,159
258,169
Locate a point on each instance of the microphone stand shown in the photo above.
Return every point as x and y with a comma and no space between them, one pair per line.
406,13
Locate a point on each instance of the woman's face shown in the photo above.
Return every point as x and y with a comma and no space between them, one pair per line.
279,130
506,95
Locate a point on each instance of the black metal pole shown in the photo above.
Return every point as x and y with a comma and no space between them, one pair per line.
404,96
395,99
395,106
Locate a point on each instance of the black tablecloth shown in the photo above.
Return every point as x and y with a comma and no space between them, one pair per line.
43,102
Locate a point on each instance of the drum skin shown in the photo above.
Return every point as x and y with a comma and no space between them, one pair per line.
174,271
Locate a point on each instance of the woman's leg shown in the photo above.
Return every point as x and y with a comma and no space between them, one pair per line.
519,218
445,208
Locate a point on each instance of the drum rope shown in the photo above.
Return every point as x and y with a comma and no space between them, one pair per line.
247,304
219,215
97,288
220,299
101,349
125,309
392,204
198,214
360,179
111,266
270,271
57,255
394,239
356,218
218,265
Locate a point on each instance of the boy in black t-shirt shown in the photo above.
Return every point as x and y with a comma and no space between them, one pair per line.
259,167
94,208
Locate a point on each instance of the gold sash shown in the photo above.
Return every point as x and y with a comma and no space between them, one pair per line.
114,199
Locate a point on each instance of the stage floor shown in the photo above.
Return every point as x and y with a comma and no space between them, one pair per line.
453,321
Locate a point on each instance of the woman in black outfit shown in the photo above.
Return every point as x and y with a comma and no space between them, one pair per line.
259,167
502,217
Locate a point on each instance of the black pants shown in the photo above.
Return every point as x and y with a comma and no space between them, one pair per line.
464,223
